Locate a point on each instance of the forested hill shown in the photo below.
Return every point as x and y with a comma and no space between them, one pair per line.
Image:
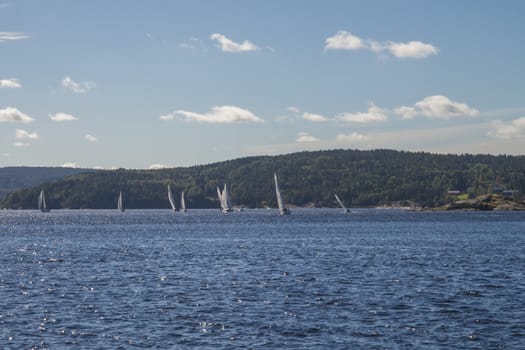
15,178
367,178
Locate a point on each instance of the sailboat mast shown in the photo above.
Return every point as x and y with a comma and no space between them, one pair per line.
219,194
182,201
42,202
171,199
120,205
339,201
227,198
280,203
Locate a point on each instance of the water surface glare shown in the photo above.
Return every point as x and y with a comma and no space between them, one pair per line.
317,279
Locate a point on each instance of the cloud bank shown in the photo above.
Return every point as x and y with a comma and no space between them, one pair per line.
305,137
373,115
90,138
13,115
314,117
511,130
351,138
9,84
22,134
62,117
217,115
228,45
157,166
11,36
344,40
70,165
436,107
77,88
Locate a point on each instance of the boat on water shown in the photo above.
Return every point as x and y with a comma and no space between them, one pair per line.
172,200
282,208
182,202
225,199
345,209
120,204
42,206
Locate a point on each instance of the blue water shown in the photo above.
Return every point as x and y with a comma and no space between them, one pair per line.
318,279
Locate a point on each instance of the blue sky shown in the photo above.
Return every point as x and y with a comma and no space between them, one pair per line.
141,84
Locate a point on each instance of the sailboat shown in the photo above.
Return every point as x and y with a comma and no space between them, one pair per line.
282,209
171,199
225,199
120,205
345,209
182,202
42,203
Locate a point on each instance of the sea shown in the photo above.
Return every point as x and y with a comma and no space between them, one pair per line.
317,279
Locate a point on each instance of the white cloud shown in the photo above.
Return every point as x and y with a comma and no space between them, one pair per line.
167,117
91,138
10,83
158,166
228,45
406,112
22,134
514,129
218,114
193,43
21,144
412,49
305,137
374,114
314,117
62,117
293,109
77,88
437,107
11,114
344,40
10,36
351,138
70,165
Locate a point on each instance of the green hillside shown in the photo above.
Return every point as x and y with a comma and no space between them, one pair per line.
367,178
15,178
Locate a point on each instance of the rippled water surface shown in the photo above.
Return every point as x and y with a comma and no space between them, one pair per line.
317,279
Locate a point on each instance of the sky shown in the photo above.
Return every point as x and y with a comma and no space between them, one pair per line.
150,84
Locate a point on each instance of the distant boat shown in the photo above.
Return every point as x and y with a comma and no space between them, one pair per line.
225,199
282,209
182,202
120,205
42,203
171,199
345,209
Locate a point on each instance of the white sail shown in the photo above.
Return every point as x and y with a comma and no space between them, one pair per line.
341,203
42,202
182,202
171,199
219,194
282,209
120,205
225,199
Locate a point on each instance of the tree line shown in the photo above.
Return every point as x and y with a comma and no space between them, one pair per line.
364,178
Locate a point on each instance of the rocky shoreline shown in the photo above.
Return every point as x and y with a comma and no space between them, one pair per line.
485,202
